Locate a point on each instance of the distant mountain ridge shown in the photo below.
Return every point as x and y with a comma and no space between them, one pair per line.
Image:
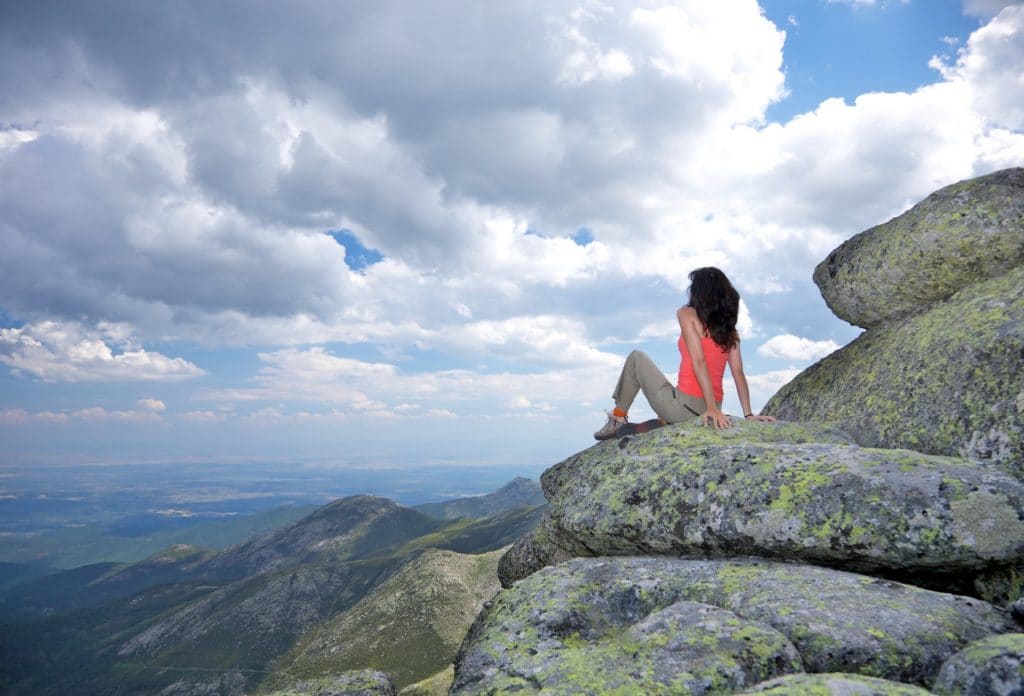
194,613
74,547
519,492
348,528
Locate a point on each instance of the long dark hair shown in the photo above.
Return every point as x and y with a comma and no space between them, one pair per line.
717,304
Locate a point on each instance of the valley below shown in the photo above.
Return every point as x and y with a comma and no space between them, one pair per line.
361,582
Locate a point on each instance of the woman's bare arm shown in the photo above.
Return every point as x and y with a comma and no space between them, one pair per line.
742,389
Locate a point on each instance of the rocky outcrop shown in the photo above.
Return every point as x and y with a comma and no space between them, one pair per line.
959,235
856,554
644,622
992,666
755,489
948,381
548,543
941,368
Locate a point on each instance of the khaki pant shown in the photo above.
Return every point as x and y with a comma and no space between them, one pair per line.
640,373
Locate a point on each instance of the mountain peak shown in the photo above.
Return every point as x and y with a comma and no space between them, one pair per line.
349,527
518,493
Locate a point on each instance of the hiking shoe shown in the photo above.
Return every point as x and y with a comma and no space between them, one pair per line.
607,431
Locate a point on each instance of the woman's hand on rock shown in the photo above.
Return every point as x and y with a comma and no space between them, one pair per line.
719,419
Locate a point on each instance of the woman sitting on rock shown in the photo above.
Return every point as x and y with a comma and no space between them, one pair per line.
707,341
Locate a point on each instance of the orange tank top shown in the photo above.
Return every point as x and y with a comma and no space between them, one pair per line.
716,359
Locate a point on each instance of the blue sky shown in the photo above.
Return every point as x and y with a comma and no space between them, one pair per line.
863,47
386,233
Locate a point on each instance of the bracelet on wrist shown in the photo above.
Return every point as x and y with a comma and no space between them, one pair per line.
748,415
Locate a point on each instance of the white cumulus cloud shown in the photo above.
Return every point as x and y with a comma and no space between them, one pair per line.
987,8
990,68
70,352
789,347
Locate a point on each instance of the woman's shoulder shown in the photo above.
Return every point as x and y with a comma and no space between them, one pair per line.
687,312
688,318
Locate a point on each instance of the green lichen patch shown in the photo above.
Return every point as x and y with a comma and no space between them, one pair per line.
985,520
835,684
620,615
992,665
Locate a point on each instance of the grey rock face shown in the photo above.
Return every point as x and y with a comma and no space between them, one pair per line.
584,622
947,381
992,666
835,684
833,504
961,234
1017,609
941,291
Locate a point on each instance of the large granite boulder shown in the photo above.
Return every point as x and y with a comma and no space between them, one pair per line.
695,491
596,624
957,236
992,666
947,381
941,291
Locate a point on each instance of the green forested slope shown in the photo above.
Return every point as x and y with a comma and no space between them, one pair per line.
225,621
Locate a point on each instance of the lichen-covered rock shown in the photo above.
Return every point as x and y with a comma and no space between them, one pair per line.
992,666
367,682
683,647
544,545
947,381
961,234
548,544
835,684
686,647
579,621
940,520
